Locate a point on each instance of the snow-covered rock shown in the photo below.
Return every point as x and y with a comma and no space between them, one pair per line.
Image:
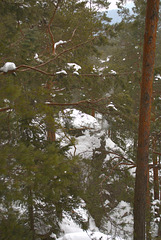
72,231
78,119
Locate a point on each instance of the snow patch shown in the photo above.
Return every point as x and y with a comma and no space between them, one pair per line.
78,119
8,66
87,236
59,43
62,72
36,57
157,77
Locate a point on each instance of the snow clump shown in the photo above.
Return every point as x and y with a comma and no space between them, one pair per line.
8,66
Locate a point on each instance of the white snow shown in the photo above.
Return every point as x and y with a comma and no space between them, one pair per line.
61,72
72,231
92,131
36,57
8,66
87,236
6,100
122,214
59,43
113,72
78,119
157,77
111,105
77,73
106,60
74,65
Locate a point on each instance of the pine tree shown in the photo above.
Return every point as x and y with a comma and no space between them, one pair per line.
36,175
144,121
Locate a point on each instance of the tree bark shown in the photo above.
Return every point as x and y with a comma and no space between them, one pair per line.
31,213
144,119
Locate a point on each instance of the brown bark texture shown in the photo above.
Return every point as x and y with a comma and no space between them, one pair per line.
144,119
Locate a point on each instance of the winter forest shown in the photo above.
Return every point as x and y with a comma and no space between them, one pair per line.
80,150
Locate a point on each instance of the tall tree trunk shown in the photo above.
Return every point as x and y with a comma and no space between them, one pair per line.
31,213
144,120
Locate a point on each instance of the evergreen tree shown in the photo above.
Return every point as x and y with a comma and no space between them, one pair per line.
36,174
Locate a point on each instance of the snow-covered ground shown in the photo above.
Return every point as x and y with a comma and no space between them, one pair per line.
94,129
72,231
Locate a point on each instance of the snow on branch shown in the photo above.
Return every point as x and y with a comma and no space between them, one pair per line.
36,68
67,50
8,66
59,43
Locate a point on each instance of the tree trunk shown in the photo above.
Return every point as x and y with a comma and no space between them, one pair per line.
144,119
31,213
51,135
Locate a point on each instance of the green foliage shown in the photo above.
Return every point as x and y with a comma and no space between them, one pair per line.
35,173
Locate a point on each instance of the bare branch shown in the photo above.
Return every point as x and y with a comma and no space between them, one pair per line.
49,27
35,69
75,103
157,153
4,109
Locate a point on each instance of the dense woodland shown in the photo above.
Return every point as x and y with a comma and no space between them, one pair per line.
41,179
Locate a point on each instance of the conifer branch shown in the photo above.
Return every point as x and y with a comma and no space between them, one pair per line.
36,68
76,103
65,51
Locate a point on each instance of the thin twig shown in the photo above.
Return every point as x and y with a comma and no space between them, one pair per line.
35,69
4,109
76,103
